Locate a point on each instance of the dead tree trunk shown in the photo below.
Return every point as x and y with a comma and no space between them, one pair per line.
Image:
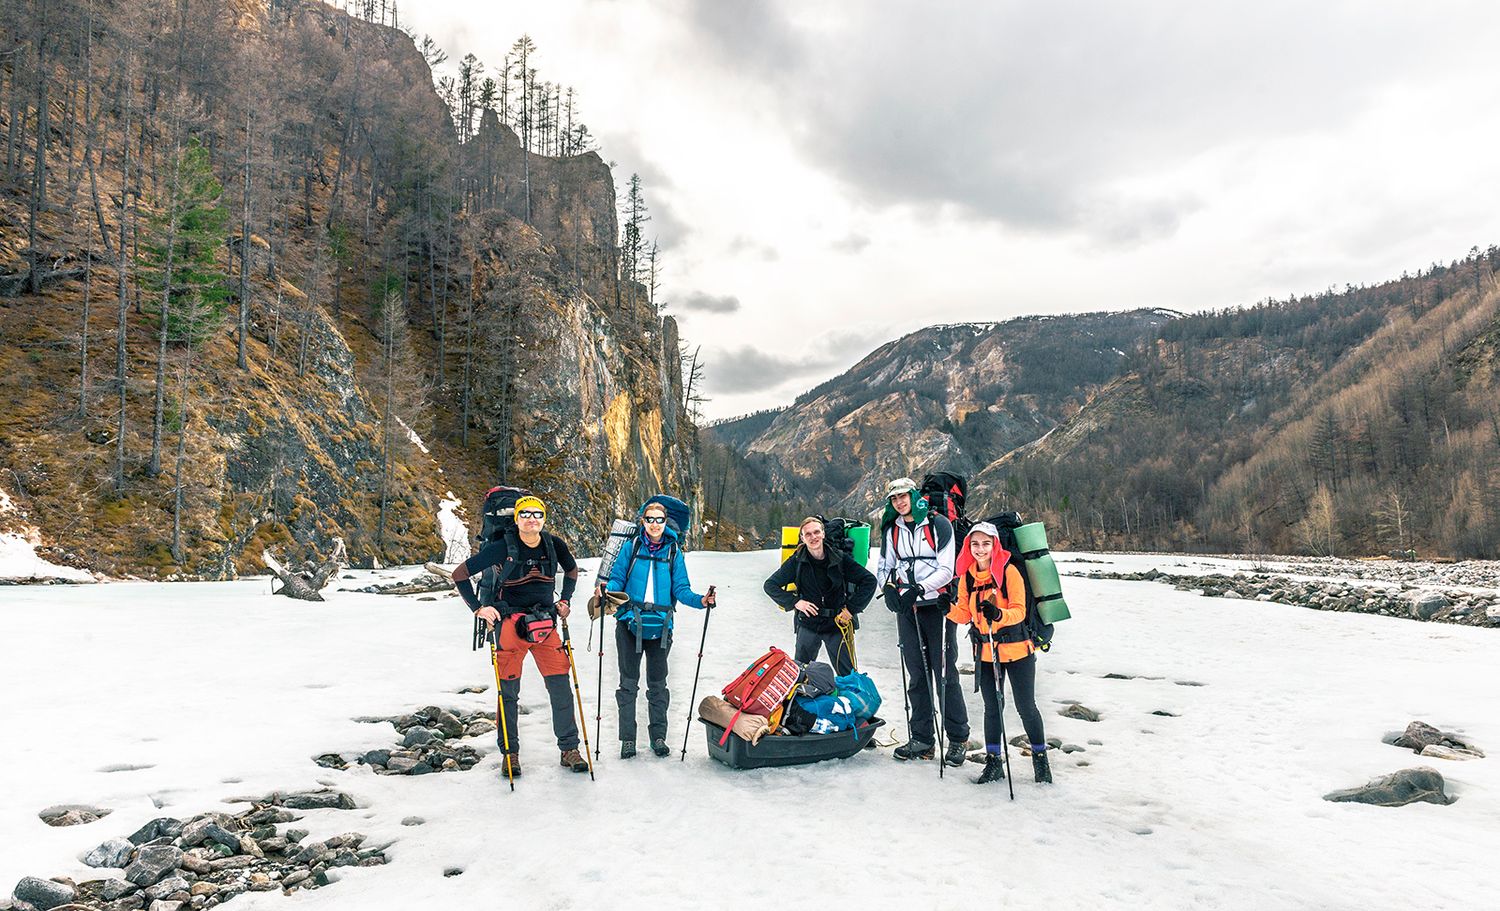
305,584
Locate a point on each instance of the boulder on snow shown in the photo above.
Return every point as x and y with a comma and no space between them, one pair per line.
1397,789
1438,751
316,800
1081,712
152,863
113,853
1419,735
1428,605
43,893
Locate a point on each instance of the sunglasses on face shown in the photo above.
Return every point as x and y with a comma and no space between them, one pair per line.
530,514
655,520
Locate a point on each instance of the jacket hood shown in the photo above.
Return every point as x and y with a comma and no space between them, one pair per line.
964,562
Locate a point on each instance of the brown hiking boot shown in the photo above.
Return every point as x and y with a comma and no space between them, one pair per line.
510,766
572,759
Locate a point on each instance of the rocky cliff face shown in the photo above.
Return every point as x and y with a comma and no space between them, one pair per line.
584,398
943,398
578,389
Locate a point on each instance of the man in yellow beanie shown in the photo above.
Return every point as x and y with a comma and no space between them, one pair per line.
527,563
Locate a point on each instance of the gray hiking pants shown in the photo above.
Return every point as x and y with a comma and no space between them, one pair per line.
564,725
808,643
932,629
658,697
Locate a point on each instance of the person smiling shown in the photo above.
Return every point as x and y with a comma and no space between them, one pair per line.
831,591
526,618
651,571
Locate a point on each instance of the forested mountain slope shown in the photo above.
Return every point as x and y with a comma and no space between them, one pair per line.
251,253
1363,421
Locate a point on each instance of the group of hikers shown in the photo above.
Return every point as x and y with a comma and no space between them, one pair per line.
928,581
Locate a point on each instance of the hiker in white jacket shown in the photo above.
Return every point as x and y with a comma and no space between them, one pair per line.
915,568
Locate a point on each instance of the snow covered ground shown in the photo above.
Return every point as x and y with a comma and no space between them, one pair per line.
167,699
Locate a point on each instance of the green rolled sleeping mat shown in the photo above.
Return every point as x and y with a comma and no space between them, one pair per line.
1041,573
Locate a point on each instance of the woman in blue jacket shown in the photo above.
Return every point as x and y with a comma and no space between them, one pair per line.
652,572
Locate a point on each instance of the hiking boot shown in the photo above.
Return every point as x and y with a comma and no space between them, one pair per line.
994,769
1040,766
510,766
956,754
627,749
659,746
572,759
912,750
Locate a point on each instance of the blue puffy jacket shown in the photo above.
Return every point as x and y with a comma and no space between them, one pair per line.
670,585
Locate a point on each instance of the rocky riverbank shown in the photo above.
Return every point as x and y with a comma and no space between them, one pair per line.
1399,599
199,863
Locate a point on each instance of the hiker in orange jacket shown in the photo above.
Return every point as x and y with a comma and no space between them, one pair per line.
998,625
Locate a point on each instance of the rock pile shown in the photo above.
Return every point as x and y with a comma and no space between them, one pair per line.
1425,740
72,816
198,863
420,585
425,746
1468,608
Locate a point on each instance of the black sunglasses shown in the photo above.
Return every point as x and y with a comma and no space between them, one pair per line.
654,520
531,514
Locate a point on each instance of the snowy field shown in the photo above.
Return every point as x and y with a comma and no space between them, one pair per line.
168,699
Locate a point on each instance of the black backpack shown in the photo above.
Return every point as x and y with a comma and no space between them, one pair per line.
498,523
1040,633
945,494
836,534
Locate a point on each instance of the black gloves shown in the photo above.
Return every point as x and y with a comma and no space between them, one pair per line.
990,611
899,596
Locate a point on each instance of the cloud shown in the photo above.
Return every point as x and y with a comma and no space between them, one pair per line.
703,302
747,369
1033,116
753,34
742,244
853,242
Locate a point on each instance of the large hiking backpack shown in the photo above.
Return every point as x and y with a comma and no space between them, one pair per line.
1040,633
763,688
498,523
679,514
946,494
849,536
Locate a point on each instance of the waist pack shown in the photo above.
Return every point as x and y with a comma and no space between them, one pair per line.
764,687
535,626
646,621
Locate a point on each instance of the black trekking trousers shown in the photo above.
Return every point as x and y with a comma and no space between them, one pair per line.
930,627
658,697
1022,676
564,725
809,641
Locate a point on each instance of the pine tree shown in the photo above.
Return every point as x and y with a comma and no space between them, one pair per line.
184,236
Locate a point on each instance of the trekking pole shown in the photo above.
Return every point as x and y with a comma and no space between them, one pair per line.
1000,697
599,693
500,710
693,698
901,658
578,694
937,714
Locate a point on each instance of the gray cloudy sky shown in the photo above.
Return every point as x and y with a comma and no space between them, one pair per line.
825,176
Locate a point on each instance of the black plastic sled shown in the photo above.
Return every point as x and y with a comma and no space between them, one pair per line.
774,750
